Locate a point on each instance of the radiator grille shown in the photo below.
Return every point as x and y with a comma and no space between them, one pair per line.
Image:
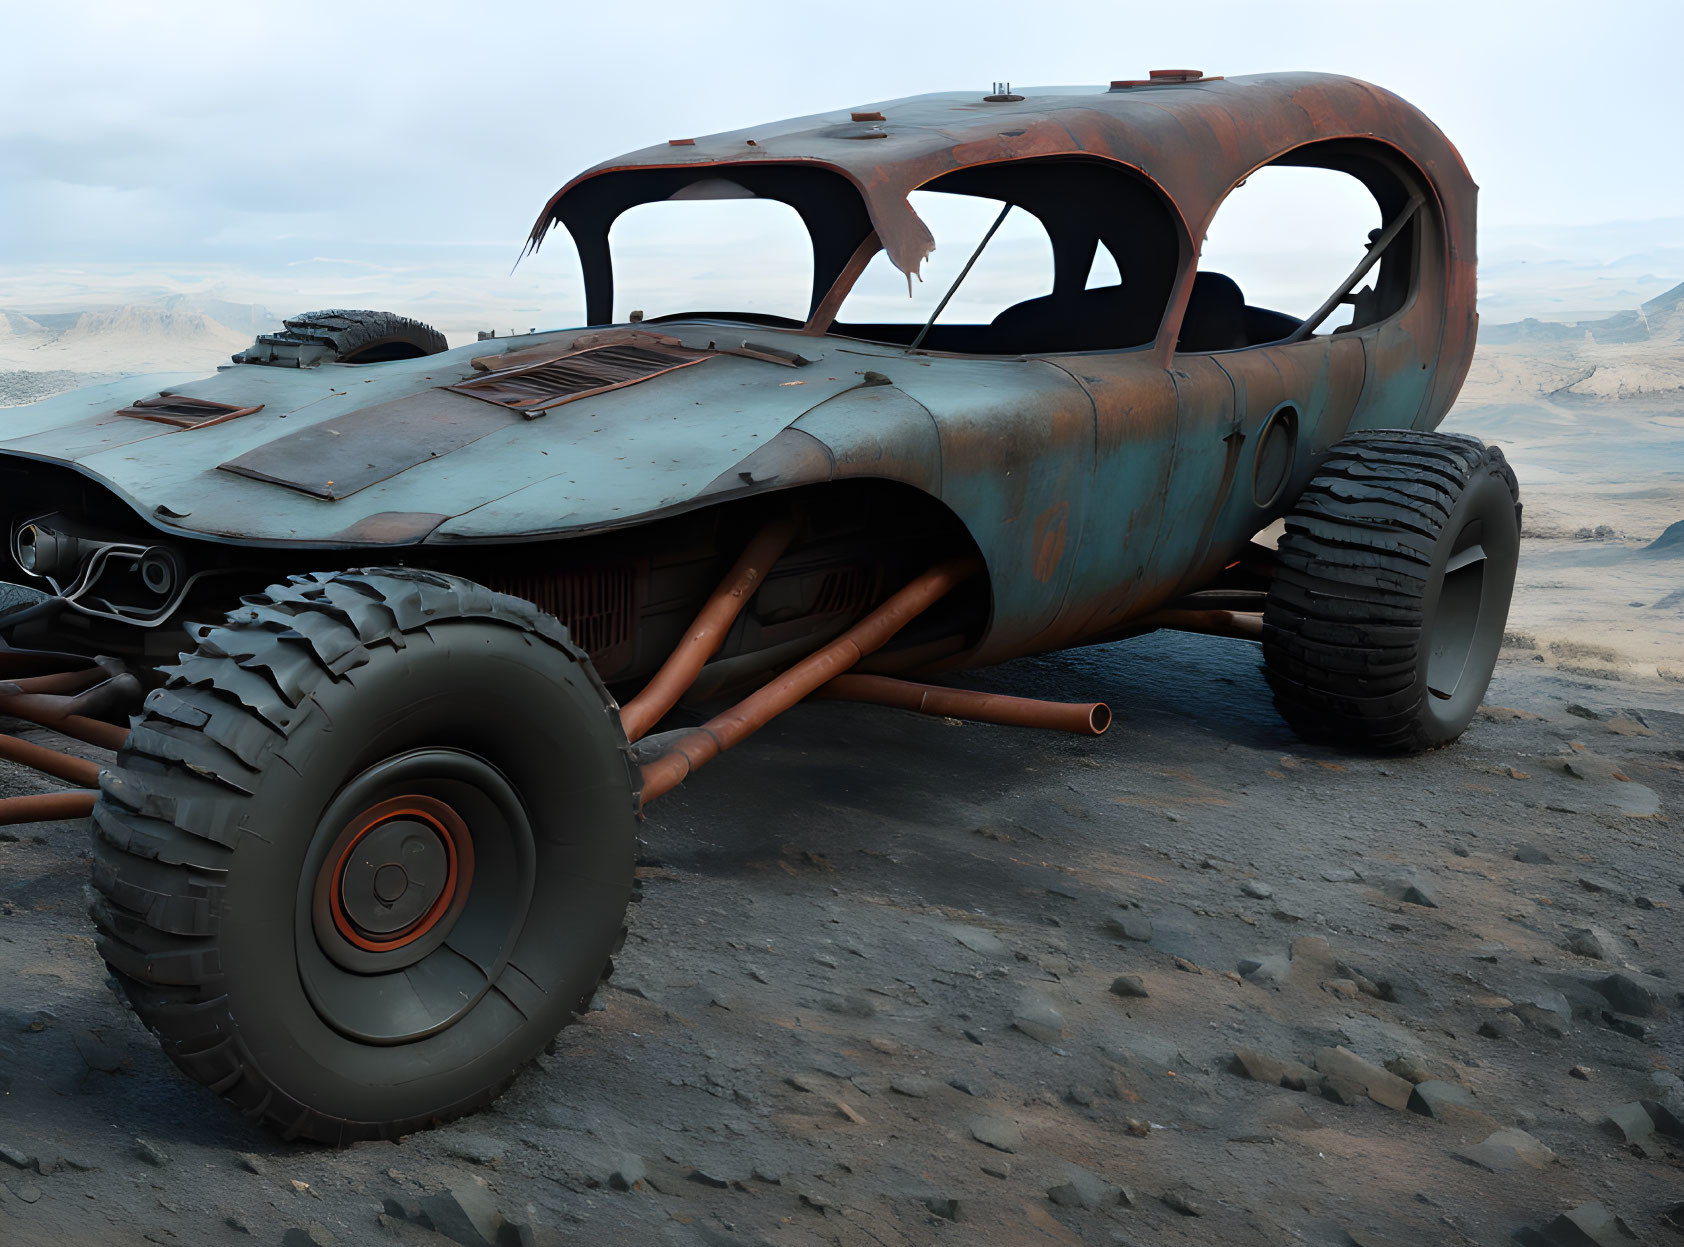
596,605
845,590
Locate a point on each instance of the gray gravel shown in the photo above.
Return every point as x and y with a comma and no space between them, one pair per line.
878,949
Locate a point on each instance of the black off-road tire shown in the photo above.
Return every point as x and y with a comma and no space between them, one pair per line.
1391,591
227,850
344,337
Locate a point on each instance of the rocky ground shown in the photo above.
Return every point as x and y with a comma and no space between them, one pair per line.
897,980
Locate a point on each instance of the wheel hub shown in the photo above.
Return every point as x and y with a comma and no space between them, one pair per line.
396,873
393,875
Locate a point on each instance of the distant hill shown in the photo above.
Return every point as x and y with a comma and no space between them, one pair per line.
177,333
1637,354
1656,320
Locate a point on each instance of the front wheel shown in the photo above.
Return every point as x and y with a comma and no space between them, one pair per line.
367,851
1391,590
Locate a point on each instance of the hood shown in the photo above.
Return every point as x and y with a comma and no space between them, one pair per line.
389,453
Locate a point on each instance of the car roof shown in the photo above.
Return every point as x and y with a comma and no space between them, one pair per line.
1193,136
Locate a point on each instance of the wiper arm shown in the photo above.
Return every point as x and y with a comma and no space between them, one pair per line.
940,307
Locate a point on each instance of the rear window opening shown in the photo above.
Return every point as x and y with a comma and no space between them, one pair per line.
1284,244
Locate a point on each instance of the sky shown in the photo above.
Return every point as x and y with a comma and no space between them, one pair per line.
289,154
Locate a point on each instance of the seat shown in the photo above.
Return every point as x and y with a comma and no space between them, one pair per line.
1215,319
1101,319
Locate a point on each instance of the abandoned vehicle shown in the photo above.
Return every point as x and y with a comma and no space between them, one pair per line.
381,635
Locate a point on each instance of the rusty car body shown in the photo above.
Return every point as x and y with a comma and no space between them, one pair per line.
1090,464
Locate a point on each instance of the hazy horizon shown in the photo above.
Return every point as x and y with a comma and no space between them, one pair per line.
400,165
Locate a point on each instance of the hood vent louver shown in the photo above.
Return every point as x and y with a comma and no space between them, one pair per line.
534,389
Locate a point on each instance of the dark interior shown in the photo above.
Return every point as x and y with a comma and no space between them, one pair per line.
1083,204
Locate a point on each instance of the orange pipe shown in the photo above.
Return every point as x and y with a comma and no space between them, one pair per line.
78,771
46,808
709,630
58,682
731,727
1214,623
50,710
1090,719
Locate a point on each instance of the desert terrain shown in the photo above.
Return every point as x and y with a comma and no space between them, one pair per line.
900,980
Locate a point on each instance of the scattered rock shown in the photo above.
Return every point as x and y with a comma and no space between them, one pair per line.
997,1168
1257,889
1082,1189
1595,942
1419,892
1414,1068
1434,1097
1532,855
1582,1073
1382,1086
1632,1124
1272,969
997,1133
1588,1225
1128,985
1340,874
1668,1115
1180,1202
1504,1151
946,1209
970,1086
703,1177
911,1085
628,1173
16,1156
315,1234
1273,1071
1500,1026
847,1111
1639,995
1130,927
464,1212
251,1162
151,1153
476,1149
1036,1017
977,940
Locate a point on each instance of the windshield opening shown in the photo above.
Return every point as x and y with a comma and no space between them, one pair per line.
700,255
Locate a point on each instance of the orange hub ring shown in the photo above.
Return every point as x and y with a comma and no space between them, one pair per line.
436,818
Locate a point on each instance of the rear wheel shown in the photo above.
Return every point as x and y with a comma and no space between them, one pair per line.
1391,590
367,851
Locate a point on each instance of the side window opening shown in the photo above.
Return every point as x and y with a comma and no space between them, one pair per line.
712,252
1085,261
1017,264
1282,243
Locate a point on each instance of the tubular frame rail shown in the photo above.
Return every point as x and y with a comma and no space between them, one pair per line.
68,701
